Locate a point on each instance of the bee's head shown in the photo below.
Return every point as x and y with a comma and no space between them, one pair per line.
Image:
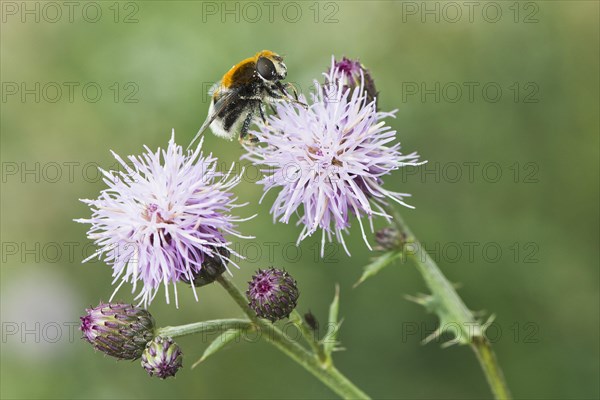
270,66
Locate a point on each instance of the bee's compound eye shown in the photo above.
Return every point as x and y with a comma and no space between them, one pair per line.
266,68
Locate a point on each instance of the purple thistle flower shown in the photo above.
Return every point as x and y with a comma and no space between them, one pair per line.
161,217
328,160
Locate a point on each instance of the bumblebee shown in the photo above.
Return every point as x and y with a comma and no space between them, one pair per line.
239,98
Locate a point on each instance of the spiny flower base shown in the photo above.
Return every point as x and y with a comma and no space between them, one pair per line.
272,294
162,357
117,329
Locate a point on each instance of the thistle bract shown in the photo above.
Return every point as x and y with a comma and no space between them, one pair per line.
212,268
389,239
272,294
351,74
117,329
162,357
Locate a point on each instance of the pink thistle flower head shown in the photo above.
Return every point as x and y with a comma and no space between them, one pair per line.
328,159
161,217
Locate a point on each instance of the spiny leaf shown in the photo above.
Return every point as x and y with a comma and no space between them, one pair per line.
221,341
463,331
377,265
433,336
422,299
333,326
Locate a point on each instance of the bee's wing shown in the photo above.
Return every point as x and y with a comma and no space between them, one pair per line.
225,99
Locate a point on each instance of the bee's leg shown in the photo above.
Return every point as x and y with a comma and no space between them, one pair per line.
294,91
245,137
246,126
262,113
286,94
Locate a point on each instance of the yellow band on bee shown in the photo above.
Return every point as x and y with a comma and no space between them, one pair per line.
227,79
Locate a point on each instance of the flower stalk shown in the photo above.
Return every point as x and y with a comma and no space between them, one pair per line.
327,374
314,362
217,325
445,302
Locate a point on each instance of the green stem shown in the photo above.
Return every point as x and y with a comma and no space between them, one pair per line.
451,308
491,368
216,325
329,375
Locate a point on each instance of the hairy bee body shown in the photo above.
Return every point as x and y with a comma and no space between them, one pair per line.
238,99
245,107
229,121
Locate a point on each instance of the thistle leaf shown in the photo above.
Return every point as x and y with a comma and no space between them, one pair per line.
330,340
377,265
221,341
463,331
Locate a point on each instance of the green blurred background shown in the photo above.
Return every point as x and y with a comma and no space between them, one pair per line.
541,134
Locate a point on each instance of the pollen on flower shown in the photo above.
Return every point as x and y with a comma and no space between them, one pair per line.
328,160
162,217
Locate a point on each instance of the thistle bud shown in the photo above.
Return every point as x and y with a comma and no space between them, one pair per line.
389,239
162,357
351,73
272,294
117,329
212,268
